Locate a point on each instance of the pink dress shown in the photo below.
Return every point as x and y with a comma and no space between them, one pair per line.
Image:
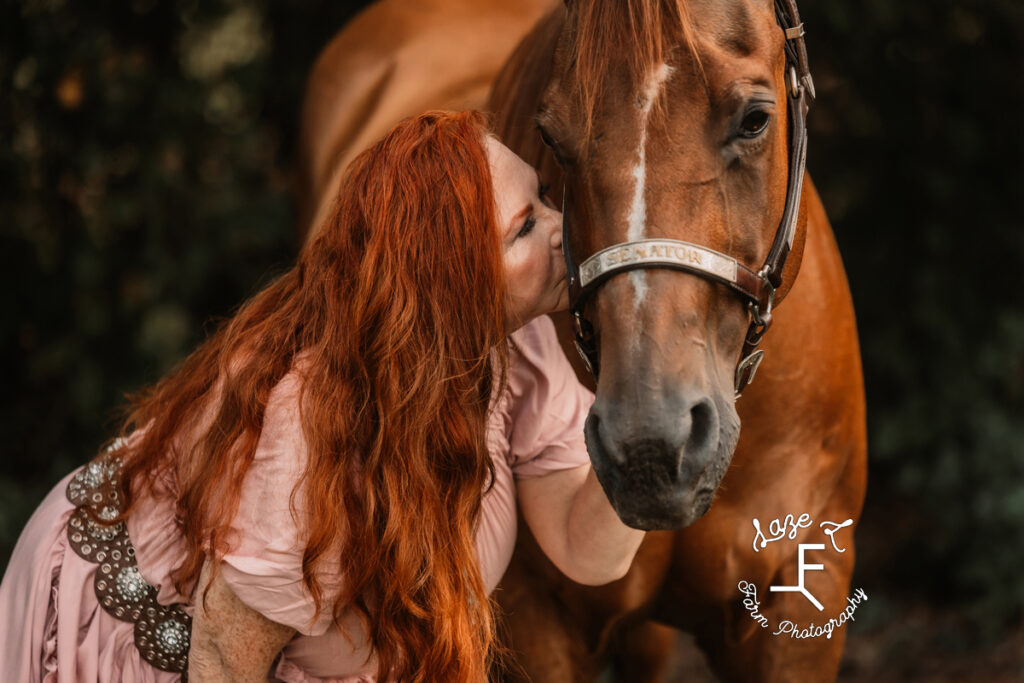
52,627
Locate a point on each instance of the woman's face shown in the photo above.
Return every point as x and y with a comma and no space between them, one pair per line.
531,238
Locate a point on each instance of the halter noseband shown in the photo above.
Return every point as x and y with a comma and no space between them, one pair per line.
756,289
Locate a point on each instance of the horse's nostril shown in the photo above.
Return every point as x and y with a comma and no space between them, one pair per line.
701,418
664,447
590,427
597,444
697,438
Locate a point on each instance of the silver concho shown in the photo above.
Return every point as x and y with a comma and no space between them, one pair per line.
130,584
86,485
102,532
172,637
162,635
162,632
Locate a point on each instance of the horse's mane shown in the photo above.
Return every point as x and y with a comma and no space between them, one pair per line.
598,47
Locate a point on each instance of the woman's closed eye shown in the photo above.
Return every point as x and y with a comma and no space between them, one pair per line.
528,226
531,220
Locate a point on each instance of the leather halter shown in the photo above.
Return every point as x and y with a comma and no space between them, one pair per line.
756,289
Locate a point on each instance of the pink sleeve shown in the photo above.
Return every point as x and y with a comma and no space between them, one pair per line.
264,566
547,406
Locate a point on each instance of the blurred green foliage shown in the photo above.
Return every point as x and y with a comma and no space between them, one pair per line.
146,150
916,147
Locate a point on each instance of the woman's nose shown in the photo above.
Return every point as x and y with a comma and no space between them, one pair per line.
556,230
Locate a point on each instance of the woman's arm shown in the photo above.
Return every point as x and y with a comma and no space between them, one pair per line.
231,642
576,526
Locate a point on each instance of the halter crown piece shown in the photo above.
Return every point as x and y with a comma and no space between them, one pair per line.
756,289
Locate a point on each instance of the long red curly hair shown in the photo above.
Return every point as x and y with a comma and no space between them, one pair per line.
399,305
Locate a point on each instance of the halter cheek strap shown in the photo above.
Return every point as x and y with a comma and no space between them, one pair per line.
756,289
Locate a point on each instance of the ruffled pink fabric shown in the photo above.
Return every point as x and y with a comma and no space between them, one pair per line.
51,626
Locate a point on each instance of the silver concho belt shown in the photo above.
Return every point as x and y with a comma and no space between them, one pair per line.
162,632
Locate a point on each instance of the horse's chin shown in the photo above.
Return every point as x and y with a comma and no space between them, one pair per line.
666,510
650,495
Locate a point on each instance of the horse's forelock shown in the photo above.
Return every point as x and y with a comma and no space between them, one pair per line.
597,44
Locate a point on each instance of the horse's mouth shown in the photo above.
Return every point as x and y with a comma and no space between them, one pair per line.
647,487
668,511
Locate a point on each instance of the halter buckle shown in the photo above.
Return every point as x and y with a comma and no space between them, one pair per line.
586,357
763,318
760,320
746,370
794,83
584,342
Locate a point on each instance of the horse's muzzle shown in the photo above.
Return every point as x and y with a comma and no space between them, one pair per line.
657,469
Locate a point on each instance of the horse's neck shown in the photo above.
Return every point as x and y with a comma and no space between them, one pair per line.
398,58
481,6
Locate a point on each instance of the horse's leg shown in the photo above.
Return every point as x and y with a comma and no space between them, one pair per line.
562,632
707,601
545,644
775,656
648,653
739,649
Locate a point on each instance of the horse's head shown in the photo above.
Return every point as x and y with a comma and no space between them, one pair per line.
669,120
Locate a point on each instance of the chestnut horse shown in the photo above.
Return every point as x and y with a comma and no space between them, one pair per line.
666,121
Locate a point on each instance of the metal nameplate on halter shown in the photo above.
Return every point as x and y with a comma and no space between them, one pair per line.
657,252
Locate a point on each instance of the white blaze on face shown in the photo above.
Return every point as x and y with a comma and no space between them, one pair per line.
656,80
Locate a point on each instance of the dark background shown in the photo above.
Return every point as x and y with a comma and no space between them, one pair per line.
146,152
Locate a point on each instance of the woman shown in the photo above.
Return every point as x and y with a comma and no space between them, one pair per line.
326,489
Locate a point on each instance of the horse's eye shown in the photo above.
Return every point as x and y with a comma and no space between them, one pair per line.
552,145
546,138
754,123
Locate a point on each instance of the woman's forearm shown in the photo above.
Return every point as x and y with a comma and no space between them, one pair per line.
576,526
231,642
601,545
